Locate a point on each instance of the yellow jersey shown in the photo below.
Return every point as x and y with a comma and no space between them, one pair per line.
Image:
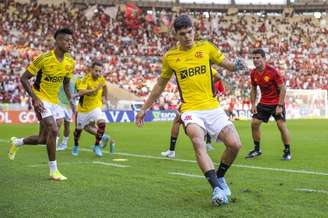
88,103
192,69
50,74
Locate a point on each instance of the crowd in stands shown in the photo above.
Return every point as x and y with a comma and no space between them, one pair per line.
131,53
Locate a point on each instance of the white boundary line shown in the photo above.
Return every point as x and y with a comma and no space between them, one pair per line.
186,174
2,140
235,165
110,164
91,162
311,190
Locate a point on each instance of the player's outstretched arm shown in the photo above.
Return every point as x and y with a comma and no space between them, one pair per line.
154,94
237,65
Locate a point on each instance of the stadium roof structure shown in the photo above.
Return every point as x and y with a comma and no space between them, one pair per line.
298,6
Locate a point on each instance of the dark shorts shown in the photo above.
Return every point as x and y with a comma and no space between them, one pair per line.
264,112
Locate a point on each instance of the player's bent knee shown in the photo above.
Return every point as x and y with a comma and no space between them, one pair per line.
255,125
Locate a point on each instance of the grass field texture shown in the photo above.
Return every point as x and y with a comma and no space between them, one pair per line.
147,185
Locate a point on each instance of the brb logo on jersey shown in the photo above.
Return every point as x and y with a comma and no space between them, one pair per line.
54,79
192,71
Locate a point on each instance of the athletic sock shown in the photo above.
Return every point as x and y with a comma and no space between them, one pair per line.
65,140
222,169
287,148
19,142
211,178
173,141
53,166
256,145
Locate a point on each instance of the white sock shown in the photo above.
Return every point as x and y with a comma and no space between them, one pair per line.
65,140
18,142
57,140
53,166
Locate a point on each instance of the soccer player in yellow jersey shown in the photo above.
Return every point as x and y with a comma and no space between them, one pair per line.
200,110
175,129
51,70
91,89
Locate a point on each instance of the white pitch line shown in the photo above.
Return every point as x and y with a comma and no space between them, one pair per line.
282,170
186,174
110,164
311,190
2,140
235,165
61,163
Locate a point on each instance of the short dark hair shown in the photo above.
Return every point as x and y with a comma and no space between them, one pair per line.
63,31
181,22
96,63
259,51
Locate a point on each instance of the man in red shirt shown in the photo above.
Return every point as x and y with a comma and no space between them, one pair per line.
273,92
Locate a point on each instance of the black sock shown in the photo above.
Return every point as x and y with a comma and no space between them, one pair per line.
222,169
208,139
172,143
257,145
211,178
287,148
77,134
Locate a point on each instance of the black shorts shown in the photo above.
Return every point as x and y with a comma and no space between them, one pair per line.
264,112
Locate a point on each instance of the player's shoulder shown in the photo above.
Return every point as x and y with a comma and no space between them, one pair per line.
172,51
271,69
253,72
43,56
69,58
203,42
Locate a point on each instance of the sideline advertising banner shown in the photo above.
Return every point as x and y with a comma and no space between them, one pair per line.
113,116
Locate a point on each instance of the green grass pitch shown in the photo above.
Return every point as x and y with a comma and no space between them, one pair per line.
147,186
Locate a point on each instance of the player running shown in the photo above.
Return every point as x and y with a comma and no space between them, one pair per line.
51,70
91,89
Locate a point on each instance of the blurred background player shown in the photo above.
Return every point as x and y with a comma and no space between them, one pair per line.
91,89
67,115
51,69
190,62
272,102
175,129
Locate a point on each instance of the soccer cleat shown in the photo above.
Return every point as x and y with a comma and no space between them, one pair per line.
97,150
12,149
254,153
218,197
286,155
61,147
224,186
104,141
57,176
75,150
168,153
209,147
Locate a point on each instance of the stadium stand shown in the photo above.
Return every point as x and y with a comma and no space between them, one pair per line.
131,40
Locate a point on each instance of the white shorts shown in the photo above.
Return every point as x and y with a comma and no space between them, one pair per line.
211,121
66,113
84,119
51,109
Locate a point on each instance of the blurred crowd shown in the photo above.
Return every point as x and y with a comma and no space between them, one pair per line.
131,53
